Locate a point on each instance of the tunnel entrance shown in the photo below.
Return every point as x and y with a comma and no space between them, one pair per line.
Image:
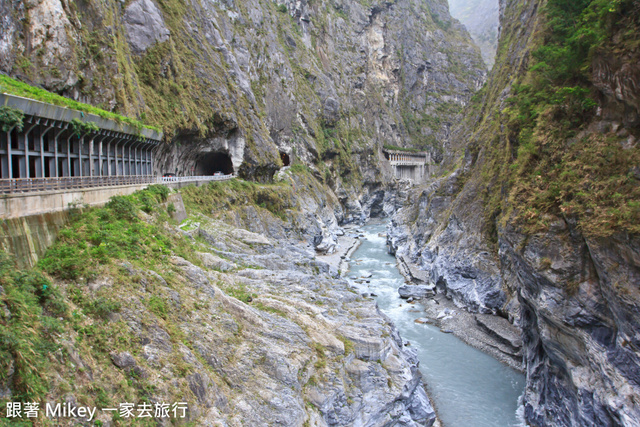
210,163
286,161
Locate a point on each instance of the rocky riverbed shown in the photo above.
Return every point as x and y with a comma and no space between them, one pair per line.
467,386
313,348
491,334
448,308
346,245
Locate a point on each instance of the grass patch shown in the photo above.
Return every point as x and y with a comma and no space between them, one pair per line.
103,236
158,306
239,292
349,347
101,307
396,148
27,335
321,356
225,196
260,306
11,118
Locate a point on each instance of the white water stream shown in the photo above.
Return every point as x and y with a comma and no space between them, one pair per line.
468,388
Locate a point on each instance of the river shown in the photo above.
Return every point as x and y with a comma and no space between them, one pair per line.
467,387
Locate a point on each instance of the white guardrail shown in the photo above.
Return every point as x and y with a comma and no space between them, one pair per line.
31,185
166,179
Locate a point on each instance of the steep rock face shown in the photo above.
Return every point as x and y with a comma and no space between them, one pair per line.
439,238
327,83
481,17
576,285
569,280
144,25
579,315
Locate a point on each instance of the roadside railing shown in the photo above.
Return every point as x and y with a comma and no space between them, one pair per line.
406,163
27,185
165,179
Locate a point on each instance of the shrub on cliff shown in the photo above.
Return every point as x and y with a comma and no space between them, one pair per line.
33,314
10,118
558,165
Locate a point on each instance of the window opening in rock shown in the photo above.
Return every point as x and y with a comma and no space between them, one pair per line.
286,161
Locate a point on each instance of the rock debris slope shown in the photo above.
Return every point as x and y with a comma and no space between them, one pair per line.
313,351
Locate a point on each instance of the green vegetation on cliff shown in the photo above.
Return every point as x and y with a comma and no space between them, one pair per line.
560,156
129,306
96,238
396,148
53,316
226,197
95,243
116,243
11,118
27,335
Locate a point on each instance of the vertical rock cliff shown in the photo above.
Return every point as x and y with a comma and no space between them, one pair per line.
535,214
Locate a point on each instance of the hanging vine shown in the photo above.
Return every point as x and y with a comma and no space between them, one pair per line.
10,118
80,128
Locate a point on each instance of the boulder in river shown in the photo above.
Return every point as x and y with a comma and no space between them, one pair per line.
416,291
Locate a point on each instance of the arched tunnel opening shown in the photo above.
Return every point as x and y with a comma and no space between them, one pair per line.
286,161
210,163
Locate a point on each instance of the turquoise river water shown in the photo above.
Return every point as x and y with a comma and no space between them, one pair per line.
467,387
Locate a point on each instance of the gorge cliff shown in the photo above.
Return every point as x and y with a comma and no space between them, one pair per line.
535,217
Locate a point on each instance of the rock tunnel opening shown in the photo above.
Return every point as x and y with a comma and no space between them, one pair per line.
286,161
210,163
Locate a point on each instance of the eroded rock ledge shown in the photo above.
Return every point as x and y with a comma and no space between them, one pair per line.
310,349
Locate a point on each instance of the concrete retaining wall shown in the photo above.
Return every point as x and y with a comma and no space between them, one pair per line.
28,238
27,204
30,222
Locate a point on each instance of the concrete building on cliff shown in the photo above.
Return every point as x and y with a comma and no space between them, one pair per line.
412,166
